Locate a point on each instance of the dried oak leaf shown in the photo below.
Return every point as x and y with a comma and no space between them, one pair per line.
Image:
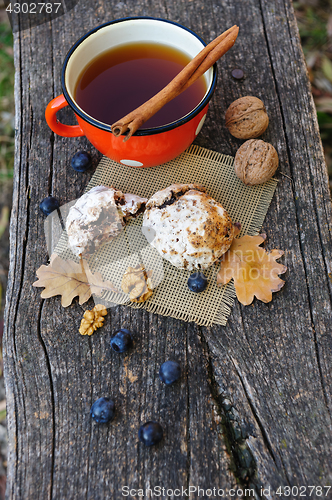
254,270
69,279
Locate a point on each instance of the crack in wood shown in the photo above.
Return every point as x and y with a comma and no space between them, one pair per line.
50,175
49,370
306,273
242,461
91,433
253,409
297,218
52,135
255,413
188,443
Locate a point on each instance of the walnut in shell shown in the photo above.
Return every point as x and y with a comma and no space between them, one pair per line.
190,229
255,162
246,118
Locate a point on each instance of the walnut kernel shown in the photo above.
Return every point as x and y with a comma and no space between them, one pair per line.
92,320
255,162
137,283
246,118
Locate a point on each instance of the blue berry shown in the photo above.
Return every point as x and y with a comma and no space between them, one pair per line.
150,433
169,372
197,282
48,205
102,410
122,340
81,161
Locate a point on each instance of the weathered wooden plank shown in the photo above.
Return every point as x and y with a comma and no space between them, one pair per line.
286,374
254,401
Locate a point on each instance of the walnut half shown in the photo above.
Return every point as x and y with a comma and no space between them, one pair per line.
136,281
92,320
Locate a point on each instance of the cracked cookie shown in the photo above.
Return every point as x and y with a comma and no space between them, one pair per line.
99,216
187,227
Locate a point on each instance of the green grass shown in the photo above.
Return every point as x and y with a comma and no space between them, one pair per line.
6,103
315,26
313,30
6,62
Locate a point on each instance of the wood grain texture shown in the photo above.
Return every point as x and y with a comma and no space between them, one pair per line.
253,407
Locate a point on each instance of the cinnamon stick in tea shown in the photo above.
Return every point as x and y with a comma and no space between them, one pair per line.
190,73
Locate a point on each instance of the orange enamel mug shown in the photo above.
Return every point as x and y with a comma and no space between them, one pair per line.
148,147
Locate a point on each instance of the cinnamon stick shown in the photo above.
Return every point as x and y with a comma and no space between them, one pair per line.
190,73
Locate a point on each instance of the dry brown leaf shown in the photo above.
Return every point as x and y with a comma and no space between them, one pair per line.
254,270
69,279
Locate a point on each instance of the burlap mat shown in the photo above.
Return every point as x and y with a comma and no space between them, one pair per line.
171,297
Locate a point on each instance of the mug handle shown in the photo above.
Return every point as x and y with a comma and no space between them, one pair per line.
60,128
